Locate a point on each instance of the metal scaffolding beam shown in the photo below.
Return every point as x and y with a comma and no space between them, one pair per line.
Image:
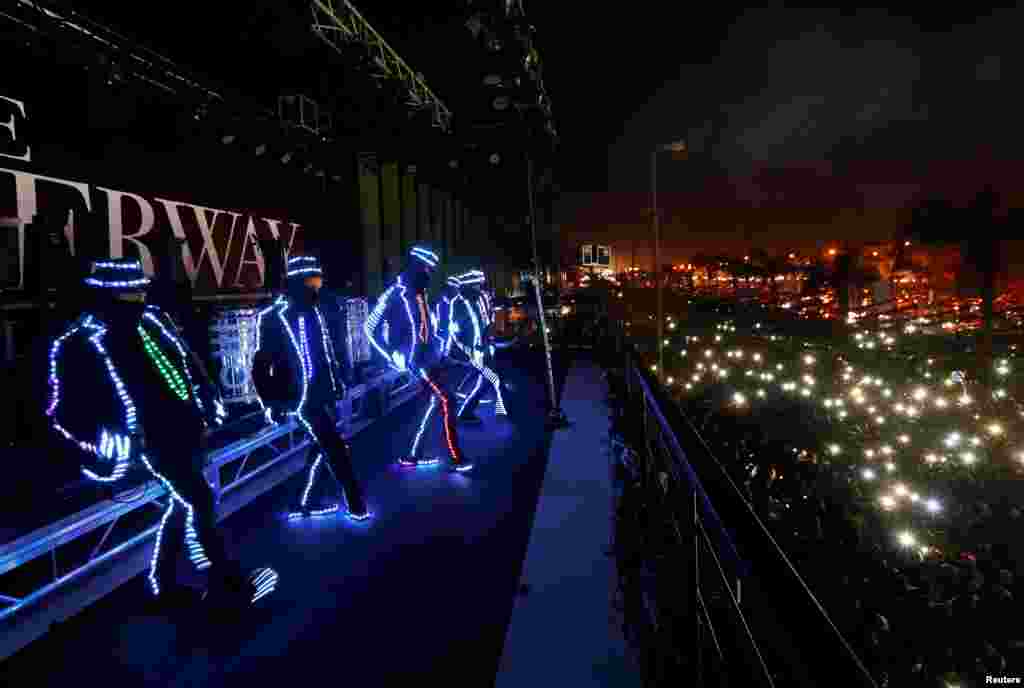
338,23
145,64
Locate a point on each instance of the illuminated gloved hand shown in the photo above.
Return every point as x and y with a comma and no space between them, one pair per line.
274,415
478,357
399,360
115,452
220,412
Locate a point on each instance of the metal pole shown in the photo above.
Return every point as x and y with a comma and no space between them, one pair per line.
657,263
698,641
555,415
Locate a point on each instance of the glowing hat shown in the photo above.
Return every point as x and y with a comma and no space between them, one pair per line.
472,277
118,274
304,266
424,255
454,282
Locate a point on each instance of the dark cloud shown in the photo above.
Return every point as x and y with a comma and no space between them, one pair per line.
792,86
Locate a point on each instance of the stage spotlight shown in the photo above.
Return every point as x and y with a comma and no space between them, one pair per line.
335,177
286,158
319,173
501,103
261,149
228,139
493,80
308,168
454,164
494,159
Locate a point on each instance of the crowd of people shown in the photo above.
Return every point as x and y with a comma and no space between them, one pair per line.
914,620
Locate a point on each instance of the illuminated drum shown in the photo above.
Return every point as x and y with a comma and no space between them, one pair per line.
233,339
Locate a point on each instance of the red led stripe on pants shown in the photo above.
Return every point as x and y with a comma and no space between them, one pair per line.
448,431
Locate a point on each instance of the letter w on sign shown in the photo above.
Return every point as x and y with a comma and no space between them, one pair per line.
206,225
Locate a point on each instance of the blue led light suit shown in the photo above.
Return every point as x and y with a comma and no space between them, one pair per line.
401,330
444,333
297,375
124,390
473,315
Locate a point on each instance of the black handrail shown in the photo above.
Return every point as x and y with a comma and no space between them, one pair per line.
784,635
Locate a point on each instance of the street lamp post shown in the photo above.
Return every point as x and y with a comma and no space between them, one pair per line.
675,147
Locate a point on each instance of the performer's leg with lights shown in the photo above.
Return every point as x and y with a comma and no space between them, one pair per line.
336,457
189,523
468,406
443,399
414,457
492,377
330,454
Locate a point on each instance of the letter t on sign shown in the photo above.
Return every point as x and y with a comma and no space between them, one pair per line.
9,125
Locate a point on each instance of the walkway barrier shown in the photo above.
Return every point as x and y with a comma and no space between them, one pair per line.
64,567
724,600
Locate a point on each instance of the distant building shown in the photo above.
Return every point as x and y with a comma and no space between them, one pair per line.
596,257
591,259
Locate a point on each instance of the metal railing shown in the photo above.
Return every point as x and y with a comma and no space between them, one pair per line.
80,571
746,613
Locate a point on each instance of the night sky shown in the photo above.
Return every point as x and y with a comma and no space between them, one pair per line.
802,125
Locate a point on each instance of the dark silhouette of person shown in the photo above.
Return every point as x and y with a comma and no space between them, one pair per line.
401,330
124,389
297,375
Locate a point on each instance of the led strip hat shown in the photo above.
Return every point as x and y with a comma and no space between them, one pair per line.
304,266
424,255
117,275
472,277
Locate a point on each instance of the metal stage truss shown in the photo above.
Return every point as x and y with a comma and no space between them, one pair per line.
239,473
338,23
144,63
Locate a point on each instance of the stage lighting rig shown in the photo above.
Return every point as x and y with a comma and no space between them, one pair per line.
69,28
300,112
341,26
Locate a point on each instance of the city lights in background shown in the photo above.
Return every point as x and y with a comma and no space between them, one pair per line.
903,431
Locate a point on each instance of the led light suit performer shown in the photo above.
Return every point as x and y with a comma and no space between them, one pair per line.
472,314
445,329
124,389
297,376
400,329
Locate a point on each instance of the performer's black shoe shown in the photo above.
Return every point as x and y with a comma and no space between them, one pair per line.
260,583
356,509
413,461
236,591
313,508
471,419
462,466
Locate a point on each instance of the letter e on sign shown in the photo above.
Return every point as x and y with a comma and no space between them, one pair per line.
11,148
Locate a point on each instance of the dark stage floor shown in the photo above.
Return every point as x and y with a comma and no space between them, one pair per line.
422,593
